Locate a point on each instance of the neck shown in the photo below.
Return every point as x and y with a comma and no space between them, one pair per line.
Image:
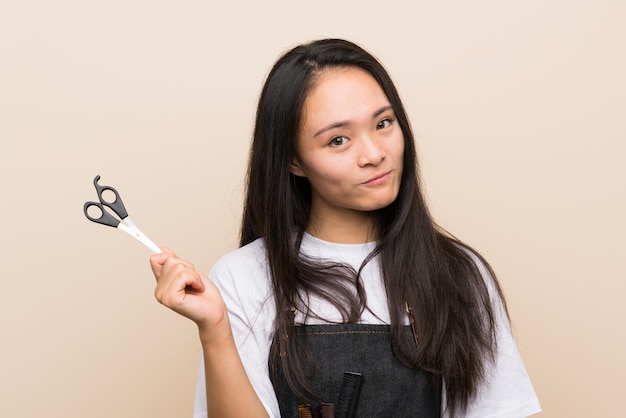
357,228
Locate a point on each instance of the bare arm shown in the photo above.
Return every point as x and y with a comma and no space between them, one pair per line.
186,291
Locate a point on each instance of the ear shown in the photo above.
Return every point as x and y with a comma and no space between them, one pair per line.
296,167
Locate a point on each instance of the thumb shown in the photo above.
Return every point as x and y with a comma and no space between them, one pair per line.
157,260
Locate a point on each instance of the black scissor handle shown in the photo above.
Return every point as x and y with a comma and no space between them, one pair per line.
105,218
117,206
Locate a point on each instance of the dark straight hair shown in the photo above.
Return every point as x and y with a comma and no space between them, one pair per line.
422,266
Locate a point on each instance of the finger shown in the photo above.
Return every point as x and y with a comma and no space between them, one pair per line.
197,285
157,261
173,292
167,250
167,259
173,261
160,258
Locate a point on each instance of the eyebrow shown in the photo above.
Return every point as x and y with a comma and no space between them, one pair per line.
345,122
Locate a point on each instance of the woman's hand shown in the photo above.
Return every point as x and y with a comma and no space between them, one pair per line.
188,292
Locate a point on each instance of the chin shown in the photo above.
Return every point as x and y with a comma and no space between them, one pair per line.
378,204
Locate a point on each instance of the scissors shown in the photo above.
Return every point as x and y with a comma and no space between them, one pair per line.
124,223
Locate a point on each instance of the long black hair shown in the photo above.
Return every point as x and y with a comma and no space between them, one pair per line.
422,266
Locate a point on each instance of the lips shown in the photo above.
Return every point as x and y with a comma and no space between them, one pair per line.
377,179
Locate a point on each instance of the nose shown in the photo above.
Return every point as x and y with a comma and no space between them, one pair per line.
370,152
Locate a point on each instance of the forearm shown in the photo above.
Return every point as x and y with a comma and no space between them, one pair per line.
229,391
190,293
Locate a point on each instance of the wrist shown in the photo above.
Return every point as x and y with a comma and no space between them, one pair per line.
217,334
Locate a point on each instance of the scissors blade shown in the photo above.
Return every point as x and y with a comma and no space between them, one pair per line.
132,230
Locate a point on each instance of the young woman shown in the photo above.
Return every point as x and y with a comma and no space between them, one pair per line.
342,269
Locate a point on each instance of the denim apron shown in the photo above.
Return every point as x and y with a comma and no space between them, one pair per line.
389,388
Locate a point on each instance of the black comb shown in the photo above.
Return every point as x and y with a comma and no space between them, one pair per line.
345,407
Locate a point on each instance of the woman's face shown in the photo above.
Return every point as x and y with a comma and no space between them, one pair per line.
350,146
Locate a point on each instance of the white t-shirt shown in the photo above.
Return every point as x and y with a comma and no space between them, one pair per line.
243,279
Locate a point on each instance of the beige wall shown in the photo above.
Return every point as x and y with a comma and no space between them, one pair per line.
519,108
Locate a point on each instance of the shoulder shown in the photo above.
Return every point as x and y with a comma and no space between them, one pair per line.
243,274
250,257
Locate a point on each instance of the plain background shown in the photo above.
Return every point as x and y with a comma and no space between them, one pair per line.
519,110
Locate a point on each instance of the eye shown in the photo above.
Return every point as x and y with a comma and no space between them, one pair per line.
385,123
338,140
